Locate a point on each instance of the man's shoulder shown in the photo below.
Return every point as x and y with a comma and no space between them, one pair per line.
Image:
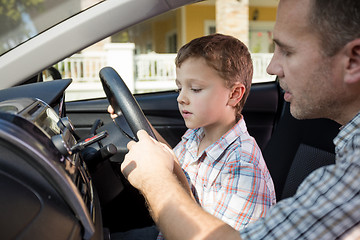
351,151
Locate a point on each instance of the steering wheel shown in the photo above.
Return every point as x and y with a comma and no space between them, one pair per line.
123,102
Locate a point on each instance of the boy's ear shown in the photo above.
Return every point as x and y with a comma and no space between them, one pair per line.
236,94
352,71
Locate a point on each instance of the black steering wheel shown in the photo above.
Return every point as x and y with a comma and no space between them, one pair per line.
123,102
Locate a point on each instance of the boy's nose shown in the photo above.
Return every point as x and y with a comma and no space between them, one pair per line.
182,99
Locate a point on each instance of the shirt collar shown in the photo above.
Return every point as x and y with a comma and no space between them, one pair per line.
216,150
346,133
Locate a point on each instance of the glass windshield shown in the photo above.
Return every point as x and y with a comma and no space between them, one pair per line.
23,19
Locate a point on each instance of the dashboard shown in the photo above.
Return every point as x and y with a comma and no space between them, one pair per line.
43,176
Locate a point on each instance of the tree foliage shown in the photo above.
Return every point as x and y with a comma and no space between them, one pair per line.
11,18
10,10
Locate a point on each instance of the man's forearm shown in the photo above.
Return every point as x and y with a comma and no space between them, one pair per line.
177,215
149,166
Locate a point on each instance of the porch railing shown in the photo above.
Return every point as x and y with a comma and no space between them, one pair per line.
151,71
83,67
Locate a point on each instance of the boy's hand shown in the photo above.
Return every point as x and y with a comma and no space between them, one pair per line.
146,158
112,113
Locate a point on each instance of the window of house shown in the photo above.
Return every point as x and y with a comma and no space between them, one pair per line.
260,36
171,42
209,27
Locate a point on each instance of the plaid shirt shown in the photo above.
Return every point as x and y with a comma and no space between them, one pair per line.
327,203
229,179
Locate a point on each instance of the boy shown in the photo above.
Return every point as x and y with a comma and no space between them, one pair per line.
222,162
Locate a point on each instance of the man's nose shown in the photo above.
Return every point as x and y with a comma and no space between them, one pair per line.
275,67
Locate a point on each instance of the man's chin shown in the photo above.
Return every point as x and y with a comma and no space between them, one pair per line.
301,114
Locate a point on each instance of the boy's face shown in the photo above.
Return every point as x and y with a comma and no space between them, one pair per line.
203,97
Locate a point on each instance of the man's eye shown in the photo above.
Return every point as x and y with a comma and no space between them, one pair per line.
178,90
285,52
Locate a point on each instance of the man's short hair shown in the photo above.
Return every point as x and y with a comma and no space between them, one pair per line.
336,22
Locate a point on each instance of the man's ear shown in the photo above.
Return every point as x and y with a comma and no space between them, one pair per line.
352,71
236,94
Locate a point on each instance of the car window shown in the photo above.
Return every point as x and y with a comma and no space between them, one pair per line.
23,19
144,55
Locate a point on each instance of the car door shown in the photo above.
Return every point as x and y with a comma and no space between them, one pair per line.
161,109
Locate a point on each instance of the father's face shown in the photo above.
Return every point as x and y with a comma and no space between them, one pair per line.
304,73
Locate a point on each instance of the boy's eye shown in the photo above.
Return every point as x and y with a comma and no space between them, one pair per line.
178,90
196,89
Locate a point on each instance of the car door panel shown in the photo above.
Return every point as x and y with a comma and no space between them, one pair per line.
161,109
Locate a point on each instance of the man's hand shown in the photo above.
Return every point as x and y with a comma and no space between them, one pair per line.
149,166
145,159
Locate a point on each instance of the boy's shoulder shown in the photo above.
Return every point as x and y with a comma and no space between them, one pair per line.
243,147
238,133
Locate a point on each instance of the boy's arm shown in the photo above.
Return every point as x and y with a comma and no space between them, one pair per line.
246,191
149,167
248,200
182,179
179,173
157,134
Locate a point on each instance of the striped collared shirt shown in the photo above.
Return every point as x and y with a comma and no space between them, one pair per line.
326,204
229,178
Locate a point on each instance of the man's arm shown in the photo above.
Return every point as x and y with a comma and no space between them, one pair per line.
149,167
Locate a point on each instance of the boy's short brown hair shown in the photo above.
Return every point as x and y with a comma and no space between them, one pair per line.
227,55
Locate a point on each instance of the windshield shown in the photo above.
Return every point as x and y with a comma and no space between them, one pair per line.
23,19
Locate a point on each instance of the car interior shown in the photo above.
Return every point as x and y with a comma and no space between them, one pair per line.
60,160
292,148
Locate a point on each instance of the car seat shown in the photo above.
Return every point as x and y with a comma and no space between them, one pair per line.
296,148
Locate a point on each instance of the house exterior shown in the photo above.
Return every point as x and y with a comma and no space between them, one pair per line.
150,47
251,21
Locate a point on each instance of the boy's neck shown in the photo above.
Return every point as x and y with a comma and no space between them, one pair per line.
213,133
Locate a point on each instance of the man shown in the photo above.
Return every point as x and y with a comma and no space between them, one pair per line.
317,60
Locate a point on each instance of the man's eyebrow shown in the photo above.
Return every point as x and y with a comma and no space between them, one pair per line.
281,45
277,42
